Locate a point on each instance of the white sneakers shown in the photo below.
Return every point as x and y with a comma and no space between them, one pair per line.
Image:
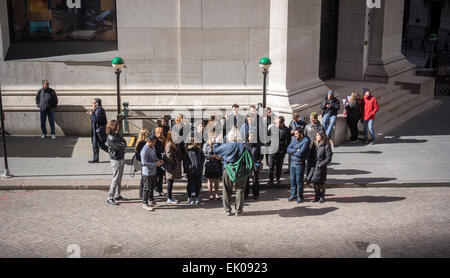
147,207
173,201
53,136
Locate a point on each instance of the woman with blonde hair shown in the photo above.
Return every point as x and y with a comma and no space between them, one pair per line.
353,109
116,149
140,143
213,166
173,157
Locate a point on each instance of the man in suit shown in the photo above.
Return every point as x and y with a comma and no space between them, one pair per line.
98,129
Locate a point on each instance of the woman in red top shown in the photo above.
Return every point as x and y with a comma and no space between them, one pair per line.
369,109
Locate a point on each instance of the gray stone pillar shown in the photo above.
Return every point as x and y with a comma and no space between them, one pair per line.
294,50
386,62
353,39
4,29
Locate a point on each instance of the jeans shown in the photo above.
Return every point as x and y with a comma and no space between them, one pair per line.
368,125
114,189
328,123
149,186
297,172
51,120
275,164
194,185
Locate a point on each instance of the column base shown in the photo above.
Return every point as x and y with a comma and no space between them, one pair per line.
388,71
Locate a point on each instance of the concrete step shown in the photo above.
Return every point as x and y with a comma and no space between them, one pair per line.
386,99
391,109
422,105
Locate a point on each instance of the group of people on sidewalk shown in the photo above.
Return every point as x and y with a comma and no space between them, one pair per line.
164,154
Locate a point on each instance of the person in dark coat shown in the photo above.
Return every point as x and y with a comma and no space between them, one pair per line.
311,130
330,106
98,129
194,166
46,101
298,149
297,121
276,159
159,149
255,150
174,157
353,109
319,175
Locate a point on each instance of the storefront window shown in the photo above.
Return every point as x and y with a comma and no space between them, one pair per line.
63,20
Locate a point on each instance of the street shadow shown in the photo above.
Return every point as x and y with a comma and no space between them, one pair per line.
365,199
398,140
293,212
364,152
71,119
34,146
357,181
331,171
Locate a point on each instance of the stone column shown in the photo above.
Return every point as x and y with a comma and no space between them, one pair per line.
294,50
4,29
386,62
353,36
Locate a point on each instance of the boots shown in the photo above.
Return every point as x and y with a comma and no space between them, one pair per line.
322,196
317,194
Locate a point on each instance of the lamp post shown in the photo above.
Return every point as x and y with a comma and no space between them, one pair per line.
265,64
117,64
6,175
432,37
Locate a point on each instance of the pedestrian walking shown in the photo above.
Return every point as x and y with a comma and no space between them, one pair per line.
116,149
330,106
276,159
312,129
213,166
140,143
194,166
319,174
98,129
174,157
46,101
255,151
159,148
237,166
298,149
353,110
369,109
149,162
297,121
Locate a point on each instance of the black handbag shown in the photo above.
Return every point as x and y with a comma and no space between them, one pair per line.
213,169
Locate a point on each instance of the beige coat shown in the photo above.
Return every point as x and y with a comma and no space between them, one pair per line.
174,154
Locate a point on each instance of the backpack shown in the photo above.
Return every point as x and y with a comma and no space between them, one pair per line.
136,164
240,169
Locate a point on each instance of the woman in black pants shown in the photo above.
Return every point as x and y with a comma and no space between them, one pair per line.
140,143
319,175
255,151
353,110
174,157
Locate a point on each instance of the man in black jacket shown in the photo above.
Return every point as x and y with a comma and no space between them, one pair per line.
46,101
330,106
98,129
276,159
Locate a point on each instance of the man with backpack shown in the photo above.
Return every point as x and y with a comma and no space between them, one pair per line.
237,166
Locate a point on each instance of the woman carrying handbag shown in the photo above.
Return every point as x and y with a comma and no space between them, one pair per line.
213,167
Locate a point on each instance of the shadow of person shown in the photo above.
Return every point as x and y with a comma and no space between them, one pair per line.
293,212
365,199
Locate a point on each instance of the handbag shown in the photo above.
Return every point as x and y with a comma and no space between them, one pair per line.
213,168
137,166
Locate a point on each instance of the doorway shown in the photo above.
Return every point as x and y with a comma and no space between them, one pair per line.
328,39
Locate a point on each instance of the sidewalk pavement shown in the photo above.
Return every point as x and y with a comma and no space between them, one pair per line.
415,155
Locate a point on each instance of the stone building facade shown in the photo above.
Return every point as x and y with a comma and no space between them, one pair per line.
181,53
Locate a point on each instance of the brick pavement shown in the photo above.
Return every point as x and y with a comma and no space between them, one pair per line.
404,222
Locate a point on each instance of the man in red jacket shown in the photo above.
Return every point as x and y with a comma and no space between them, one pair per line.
369,109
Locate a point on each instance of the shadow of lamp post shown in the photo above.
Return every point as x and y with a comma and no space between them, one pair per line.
7,174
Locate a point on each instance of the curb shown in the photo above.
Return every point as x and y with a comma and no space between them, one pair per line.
88,184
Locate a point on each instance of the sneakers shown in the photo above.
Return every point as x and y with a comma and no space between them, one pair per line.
197,201
43,136
229,213
53,136
172,201
120,198
238,213
299,200
292,198
191,201
322,200
147,207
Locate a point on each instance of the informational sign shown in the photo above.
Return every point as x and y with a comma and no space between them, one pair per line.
91,20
